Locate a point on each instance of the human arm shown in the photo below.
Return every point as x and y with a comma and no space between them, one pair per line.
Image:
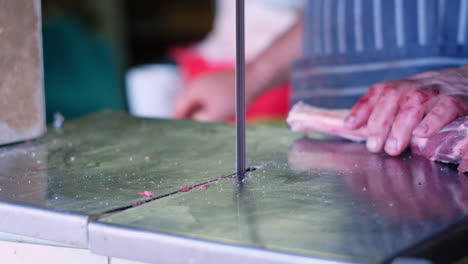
211,97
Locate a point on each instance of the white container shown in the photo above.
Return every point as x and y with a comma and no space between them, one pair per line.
152,90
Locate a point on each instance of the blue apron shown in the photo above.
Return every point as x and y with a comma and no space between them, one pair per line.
352,44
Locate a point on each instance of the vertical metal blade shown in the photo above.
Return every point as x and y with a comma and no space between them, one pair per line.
240,88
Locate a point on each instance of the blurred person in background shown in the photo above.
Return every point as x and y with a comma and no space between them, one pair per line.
399,64
216,55
266,20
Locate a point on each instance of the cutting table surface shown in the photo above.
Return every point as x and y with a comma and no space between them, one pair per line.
99,164
312,198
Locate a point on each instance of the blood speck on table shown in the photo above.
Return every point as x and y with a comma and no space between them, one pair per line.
147,158
204,187
147,194
219,177
186,189
40,169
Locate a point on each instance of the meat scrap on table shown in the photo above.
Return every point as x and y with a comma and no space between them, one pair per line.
186,189
146,194
449,145
204,187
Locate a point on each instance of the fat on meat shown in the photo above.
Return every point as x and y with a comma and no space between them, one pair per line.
449,145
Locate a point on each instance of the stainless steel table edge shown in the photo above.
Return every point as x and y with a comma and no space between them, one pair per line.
57,226
147,246
444,246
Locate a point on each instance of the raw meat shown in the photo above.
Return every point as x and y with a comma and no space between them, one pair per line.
450,145
305,118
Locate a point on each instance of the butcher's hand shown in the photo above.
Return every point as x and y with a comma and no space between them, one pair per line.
394,111
208,98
